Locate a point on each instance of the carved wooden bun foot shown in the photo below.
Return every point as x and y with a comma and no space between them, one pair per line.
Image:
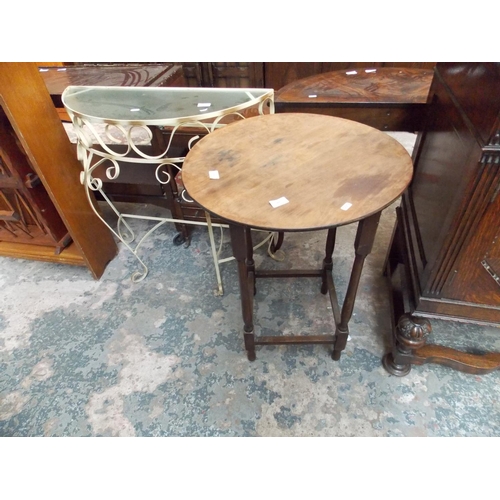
410,335
412,332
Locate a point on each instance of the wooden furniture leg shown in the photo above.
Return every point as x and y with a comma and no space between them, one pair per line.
410,334
327,261
241,243
363,244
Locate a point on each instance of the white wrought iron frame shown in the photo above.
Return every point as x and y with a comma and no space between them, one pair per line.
92,157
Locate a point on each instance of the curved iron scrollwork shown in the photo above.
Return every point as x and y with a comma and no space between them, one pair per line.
97,138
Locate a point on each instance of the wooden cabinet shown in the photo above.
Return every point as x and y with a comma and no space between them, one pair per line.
44,205
221,74
390,99
444,261
27,214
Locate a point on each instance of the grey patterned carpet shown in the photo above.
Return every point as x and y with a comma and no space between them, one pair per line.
165,356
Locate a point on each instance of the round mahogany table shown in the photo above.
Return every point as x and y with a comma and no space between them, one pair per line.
321,171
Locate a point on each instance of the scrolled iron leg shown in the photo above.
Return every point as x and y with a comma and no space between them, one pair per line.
215,257
275,246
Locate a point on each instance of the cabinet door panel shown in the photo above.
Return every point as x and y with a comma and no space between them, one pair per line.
441,187
473,279
27,215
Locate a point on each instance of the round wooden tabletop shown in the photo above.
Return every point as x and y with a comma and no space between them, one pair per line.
326,171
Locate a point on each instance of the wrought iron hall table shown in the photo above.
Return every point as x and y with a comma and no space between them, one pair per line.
251,174
112,124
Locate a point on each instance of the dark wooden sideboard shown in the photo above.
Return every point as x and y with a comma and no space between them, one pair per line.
444,260
391,99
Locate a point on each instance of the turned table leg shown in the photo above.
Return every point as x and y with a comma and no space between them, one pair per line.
327,261
241,242
365,236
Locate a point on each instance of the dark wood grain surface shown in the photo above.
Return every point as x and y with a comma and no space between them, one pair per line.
279,74
389,99
364,86
58,78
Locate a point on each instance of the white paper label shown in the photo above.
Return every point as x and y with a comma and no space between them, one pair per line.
214,174
346,206
204,104
280,201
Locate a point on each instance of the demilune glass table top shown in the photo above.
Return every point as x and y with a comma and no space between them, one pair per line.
158,105
124,110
